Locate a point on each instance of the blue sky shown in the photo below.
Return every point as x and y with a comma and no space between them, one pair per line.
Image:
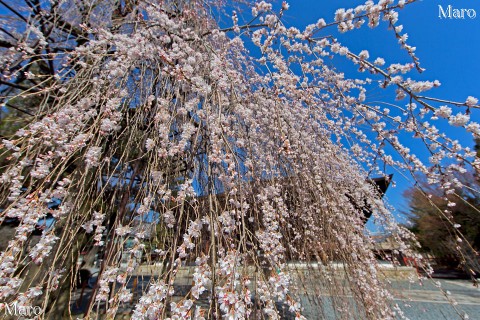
448,49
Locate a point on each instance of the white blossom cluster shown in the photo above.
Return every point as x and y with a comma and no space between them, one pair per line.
108,276
201,277
249,158
97,223
43,248
234,296
151,304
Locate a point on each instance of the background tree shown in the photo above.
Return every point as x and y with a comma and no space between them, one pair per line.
432,212
250,159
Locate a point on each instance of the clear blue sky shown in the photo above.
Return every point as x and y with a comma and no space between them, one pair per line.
448,50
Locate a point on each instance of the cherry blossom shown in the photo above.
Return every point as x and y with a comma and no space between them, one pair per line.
247,148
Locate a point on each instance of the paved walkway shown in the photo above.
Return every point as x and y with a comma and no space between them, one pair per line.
418,301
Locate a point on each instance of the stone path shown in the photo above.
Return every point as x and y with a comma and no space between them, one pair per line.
418,301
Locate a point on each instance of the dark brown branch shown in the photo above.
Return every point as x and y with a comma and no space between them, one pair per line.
13,10
15,85
8,33
19,109
6,44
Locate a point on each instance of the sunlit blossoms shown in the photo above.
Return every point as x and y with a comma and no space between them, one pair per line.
233,156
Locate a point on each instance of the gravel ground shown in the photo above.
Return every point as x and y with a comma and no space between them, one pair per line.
418,301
